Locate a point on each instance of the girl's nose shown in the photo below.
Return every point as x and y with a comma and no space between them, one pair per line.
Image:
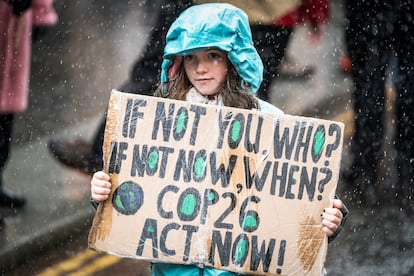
201,67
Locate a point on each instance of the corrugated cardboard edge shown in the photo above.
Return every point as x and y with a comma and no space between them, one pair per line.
102,220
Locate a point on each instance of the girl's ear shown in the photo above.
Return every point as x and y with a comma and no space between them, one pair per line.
172,72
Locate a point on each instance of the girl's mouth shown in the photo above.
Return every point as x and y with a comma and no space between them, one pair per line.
203,80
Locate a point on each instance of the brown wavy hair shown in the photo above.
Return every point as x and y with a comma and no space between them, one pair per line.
232,92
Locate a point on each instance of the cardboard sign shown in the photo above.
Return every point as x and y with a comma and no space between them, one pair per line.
239,190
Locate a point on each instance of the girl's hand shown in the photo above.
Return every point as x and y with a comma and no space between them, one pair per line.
332,217
100,186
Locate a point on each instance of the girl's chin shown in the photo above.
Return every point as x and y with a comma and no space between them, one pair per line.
206,93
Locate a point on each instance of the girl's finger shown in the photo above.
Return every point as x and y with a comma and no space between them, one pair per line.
101,175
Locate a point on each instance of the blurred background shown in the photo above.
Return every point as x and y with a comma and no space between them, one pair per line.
74,66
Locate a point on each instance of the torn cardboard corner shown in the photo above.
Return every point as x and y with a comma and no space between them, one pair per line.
235,189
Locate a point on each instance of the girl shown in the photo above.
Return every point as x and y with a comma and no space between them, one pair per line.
209,58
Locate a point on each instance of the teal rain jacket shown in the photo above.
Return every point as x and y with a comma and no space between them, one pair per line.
220,26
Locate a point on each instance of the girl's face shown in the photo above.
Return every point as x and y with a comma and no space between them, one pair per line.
207,70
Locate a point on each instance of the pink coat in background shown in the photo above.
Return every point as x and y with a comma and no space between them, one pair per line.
15,49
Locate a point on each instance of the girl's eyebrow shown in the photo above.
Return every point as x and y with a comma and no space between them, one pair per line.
216,51
213,49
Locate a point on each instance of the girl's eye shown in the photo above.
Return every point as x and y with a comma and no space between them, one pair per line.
188,57
215,55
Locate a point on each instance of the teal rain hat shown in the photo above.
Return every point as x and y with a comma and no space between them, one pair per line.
218,25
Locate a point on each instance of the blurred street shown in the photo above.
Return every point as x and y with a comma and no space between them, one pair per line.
76,63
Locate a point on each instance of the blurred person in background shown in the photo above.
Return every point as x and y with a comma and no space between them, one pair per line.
375,31
17,20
